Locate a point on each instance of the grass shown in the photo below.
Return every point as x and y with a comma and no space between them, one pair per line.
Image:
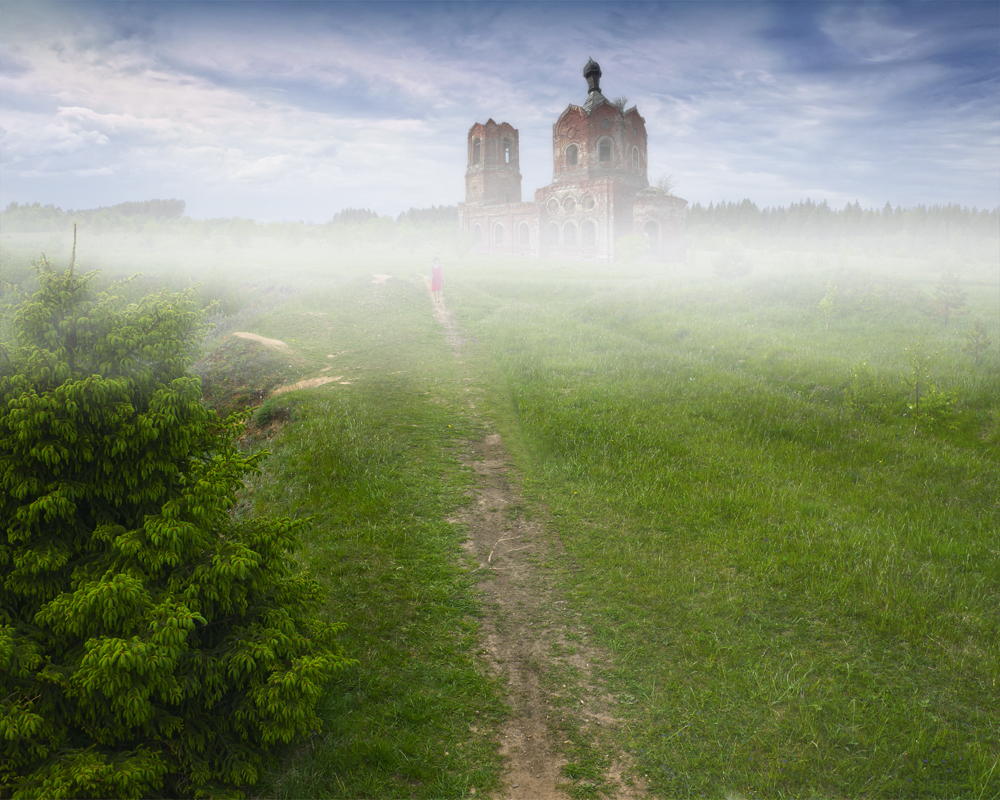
373,464
796,574
802,590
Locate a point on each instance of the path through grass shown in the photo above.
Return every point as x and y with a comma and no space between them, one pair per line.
798,578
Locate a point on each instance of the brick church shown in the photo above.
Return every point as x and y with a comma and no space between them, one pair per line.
599,192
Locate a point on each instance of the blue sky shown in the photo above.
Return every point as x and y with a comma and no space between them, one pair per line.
297,110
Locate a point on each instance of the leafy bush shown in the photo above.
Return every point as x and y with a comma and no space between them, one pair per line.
152,643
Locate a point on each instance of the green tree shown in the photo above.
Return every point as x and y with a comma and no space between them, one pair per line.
153,642
977,340
949,296
828,304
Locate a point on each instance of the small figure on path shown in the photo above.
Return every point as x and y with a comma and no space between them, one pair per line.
436,279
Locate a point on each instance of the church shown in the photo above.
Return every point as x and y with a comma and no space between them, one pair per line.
599,193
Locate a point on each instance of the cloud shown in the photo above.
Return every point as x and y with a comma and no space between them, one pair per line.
335,105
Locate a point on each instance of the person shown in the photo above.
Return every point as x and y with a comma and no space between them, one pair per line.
436,279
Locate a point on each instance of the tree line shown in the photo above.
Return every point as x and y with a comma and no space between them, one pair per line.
807,218
820,219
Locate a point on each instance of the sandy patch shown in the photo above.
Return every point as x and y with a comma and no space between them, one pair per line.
380,278
308,383
276,344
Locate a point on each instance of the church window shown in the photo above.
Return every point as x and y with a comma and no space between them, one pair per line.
477,234
506,151
635,158
571,155
569,234
524,235
604,150
475,151
552,206
498,234
588,202
569,204
588,233
605,123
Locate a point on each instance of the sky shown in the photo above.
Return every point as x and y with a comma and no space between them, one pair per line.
295,111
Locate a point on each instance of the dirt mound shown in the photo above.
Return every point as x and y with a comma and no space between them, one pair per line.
308,383
275,344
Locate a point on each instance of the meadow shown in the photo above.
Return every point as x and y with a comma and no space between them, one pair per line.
779,498
794,566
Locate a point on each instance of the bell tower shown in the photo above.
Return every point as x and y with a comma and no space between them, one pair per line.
493,176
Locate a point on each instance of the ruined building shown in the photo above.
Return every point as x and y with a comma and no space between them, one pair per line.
599,192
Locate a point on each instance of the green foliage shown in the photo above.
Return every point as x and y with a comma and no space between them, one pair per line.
863,394
152,643
977,340
272,410
949,296
828,304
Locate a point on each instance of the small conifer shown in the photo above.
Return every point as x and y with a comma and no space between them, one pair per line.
152,643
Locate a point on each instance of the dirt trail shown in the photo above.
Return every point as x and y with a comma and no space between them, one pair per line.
529,630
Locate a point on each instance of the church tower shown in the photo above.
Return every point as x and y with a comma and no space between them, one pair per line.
493,176
599,140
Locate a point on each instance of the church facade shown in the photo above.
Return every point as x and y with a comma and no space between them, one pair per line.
599,193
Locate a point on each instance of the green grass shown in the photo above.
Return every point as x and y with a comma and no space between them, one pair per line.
374,465
797,579
802,592
372,461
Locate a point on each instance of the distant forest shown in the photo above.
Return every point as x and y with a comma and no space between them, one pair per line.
808,217
805,219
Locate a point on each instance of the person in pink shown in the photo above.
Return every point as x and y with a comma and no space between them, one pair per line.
436,278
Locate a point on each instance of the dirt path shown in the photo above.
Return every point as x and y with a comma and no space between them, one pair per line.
530,633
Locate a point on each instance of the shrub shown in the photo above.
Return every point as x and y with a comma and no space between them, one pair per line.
152,643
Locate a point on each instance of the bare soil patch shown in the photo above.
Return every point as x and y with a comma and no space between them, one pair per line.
275,344
452,331
308,383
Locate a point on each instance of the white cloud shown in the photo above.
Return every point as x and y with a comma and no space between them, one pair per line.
323,105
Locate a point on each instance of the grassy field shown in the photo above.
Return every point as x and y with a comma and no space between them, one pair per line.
782,523
794,564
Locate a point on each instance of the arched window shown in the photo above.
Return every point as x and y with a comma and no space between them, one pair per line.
588,233
475,151
524,235
604,150
572,153
569,204
498,234
506,151
477,234
552,206
635,158
652,231
569,234
588,202
552,235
